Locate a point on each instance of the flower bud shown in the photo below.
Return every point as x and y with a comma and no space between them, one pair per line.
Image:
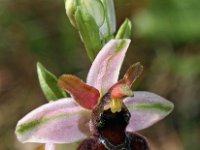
70,7
94,8
109,25
87,16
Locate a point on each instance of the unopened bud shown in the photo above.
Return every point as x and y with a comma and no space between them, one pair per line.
93,8
70,7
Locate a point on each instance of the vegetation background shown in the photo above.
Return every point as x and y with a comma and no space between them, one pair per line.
165,39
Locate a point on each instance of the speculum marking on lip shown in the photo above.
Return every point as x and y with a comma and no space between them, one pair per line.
109,130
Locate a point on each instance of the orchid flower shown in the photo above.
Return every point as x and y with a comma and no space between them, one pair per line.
68,120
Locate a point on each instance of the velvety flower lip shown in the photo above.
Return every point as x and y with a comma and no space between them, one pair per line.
67,120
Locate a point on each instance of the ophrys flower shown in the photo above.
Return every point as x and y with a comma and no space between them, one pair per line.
67,120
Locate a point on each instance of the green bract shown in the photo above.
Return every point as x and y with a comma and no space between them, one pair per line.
124,31
48,83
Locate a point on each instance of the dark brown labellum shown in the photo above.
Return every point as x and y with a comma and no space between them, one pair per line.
109,130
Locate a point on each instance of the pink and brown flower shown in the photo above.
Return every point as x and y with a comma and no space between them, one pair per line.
95,107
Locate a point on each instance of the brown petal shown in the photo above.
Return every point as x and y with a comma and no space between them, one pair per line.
84,94
132,74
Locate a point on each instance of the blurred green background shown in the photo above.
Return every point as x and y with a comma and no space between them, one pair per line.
165,40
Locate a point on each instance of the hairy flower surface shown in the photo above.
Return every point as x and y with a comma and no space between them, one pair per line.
67,120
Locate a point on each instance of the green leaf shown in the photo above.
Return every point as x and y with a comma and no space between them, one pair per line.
48,83
124,31
89,31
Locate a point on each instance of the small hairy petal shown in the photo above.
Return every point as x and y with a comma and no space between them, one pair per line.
146,109
132,74
62,121
85,95
105,69
120,91
122,88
